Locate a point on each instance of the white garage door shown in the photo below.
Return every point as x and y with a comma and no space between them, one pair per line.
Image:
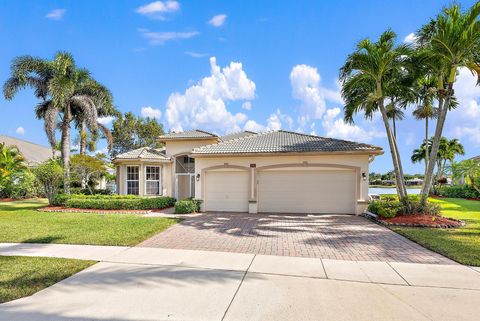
226,191
302,191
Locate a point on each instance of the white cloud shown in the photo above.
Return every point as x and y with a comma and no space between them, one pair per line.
20,130
253,126
337,128
158,9
410,38
56,14
151,112
305,81
203,105
107,120
247,105
464,121
196,54
278,121
218,20
159,38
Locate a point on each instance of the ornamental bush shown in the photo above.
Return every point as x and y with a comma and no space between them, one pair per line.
116,202
389,208
457,191
187,206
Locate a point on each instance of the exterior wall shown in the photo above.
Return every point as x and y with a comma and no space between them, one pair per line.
173,148
165,179
359,163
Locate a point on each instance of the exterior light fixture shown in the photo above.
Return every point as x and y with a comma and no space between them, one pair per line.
197,177
364,176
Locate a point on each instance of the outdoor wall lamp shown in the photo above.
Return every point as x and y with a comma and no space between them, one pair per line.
197,177
364,176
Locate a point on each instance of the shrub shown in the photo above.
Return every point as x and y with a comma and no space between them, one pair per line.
386,208
22,185
60,199
187,206
429,208
85,191
119,202
50,176
458,191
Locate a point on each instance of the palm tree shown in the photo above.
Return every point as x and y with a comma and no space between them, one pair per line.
394,113
449,42
65,91
447,151
369,76
425,110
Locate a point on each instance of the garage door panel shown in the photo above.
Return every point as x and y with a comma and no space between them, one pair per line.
226,191
316,191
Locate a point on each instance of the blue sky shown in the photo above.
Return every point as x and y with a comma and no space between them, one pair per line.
224,65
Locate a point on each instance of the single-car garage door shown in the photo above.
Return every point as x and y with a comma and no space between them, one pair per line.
307,191
226,191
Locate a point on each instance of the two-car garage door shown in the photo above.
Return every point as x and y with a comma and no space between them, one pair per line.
283,191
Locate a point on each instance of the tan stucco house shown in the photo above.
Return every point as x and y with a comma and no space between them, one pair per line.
269,172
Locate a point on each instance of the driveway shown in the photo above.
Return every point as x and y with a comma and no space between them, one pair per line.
165,284
338,237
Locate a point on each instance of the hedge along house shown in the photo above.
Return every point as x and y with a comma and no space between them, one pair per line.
270,172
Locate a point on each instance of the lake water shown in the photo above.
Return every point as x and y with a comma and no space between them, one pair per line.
391,190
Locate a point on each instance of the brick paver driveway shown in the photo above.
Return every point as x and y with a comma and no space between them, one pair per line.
344,237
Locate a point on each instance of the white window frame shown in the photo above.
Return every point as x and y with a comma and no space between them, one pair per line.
130,180
160,190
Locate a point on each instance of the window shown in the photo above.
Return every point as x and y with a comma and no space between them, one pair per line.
132,180
184,164
152,180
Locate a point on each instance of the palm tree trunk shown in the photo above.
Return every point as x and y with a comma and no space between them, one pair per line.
426,146
394,128
442,115
401,190
66,148
83,138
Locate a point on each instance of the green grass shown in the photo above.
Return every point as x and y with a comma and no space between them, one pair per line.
460,244
20,222
23,276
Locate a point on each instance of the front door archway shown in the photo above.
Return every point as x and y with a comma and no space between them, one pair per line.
184,177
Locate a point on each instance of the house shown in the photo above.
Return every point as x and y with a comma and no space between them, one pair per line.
272,172
34,154
414,181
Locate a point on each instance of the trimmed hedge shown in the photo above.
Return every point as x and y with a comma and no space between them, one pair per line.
86,191
457,191
187,206
389,207
115,203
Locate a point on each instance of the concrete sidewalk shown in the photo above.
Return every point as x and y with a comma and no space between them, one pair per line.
166,284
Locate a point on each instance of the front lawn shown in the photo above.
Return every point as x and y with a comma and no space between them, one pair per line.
20,222
23,276
459,244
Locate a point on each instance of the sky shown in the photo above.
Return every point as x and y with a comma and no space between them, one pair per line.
226,66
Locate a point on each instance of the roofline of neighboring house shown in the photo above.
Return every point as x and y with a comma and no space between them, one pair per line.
372,152
158,160
29,142
162,140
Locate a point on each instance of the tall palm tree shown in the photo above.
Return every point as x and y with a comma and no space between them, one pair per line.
65,90
425,110
394,113
450,41
368,77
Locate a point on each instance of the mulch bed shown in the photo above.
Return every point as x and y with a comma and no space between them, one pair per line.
7,200
62,209
420,220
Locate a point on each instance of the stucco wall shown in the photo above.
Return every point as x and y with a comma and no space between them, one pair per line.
173,148
165,179
360,162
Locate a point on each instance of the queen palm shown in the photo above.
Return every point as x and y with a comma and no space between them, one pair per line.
369,76
65,91
450,41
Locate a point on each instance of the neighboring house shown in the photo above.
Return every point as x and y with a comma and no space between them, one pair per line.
414,181
34,154
270,172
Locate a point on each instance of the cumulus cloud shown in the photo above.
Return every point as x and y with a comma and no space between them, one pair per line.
160,38
56,14
203,105
336,127
218,20
107,120
464,121
20,130
410,38
158,9
278,120
305,82
151,112
253,126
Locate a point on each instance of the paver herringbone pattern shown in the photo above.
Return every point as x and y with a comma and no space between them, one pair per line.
340,237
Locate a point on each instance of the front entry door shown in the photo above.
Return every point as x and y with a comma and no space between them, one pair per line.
184,186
